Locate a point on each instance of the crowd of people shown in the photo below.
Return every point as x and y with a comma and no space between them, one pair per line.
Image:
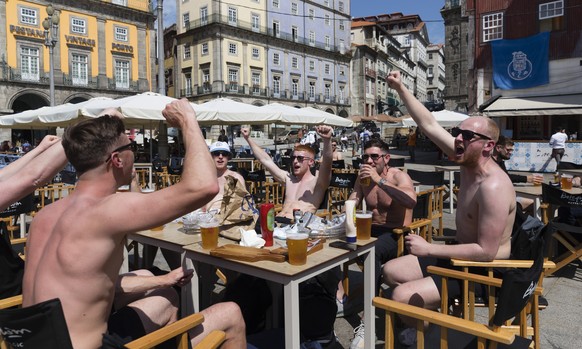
99,303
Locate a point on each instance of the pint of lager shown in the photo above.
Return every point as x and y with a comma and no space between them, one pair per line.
209,233
364,224
297,248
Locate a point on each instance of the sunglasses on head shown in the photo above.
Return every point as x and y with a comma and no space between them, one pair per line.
299,158
224,153
467,134
131,146
374,157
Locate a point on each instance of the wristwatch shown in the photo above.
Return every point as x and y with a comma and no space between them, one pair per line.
382,182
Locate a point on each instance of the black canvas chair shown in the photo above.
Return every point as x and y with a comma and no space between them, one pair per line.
396,162
356,163
568,233
563,165
430,178
338,165
255,183
43,325
518,288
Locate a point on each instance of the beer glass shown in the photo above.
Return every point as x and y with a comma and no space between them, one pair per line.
297,248
365,182
567,181
209,232
363,225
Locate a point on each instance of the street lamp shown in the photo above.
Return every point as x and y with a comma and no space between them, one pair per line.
51,35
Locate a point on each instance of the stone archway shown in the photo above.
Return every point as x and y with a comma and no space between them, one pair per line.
343,113
27,100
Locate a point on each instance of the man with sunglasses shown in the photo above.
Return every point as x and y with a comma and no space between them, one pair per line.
485,206
221,153
303,190
336,154
75,246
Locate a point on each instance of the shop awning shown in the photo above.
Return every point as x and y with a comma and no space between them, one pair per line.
570,104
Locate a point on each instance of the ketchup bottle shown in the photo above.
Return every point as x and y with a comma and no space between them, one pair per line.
267,217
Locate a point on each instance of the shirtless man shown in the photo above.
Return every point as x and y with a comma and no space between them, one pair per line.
303,190
485,207
221,153
75,246
336,154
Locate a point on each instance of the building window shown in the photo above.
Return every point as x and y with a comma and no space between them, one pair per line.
430,56
188,84
311,38
206,80
341,93
493,27
276,58
187,54
276,29
276,85
186,20
312,89
327,91
311,13
78,26
276,3
233,79
29,63
121,73
120,33
255,52
341,6
327,20
205,49
311,65
295,87
327,42
232,16
326,3
294,62
204,15
430,71
294,8
79,69
294,33
342,25
28,16
552,9
232,48
120,2
255,22
256,82
406,40
326,68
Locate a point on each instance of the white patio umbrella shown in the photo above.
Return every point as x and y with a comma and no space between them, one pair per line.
329,118
224,111
445,118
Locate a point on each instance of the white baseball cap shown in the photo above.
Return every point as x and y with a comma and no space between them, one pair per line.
219,146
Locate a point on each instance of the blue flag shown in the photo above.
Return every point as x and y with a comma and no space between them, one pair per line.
521,63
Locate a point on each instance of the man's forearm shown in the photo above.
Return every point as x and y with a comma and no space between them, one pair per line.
128,284
471,252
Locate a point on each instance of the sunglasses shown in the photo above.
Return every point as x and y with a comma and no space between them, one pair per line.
299,158
131,146
224,153
334,144
467,134
374,157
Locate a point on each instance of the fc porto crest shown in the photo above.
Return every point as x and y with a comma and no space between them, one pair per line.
520,67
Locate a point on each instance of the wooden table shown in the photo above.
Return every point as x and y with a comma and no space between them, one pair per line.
530,191
290,277
451,170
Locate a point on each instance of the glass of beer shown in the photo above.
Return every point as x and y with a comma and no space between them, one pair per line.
365,182
537,179
297,248
363,225
209,232
567,181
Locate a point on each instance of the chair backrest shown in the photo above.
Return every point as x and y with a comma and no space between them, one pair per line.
421,209
457,179
338,164
555,196
564,165
434,178
255,176
38,326
356,163
396,162
343,180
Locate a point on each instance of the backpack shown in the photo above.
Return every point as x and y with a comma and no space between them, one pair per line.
526,233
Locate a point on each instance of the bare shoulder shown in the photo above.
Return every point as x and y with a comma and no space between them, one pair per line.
497,185
399,176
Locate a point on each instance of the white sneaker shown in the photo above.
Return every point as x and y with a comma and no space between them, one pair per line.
358,341
407,337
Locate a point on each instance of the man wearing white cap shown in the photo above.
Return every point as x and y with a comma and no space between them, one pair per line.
220,152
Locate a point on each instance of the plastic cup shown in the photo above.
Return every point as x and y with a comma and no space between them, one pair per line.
363,225
297,248
567,181
537,180
158,228
209,232
365,182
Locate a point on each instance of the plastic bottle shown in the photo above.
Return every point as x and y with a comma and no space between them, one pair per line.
350,223
267,217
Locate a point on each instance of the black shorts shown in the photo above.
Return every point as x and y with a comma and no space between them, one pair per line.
455,286
123,326
558,151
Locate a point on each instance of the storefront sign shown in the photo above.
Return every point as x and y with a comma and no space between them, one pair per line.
76,40
122,48
537,157
24,31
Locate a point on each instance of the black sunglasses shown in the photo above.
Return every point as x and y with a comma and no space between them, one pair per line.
224,153
299,158
131,146
374,157
467,134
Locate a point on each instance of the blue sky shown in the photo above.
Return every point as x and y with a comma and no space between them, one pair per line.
428,10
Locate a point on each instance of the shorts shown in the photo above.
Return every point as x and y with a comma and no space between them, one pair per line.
558,151
455,286
123,325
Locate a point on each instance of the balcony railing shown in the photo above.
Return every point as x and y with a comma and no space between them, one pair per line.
370,72
113,85
90,82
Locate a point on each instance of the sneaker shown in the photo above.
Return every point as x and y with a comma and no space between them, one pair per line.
340,306
407,337
358,341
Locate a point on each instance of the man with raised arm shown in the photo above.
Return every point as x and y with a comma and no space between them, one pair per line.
485,206
75,247
303,190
